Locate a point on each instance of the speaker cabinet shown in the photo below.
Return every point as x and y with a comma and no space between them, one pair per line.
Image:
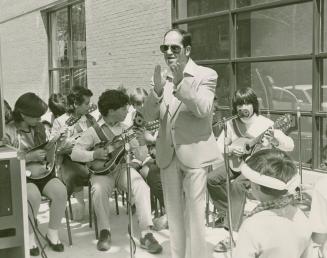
13,205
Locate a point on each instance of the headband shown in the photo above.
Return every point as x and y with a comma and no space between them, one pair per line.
267,181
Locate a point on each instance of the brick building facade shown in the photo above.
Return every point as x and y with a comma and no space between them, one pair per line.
122,40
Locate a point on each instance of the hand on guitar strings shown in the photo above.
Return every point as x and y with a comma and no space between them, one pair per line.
37,155
140,135
269,138
100,153
236,150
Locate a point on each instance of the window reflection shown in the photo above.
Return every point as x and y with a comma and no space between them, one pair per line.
59,38
306,138
243,3
323,87
279,31
210,38
79,34
61,81
223,82
323,143
282,85
189,8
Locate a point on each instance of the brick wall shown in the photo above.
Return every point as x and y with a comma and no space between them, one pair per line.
24,57
123,39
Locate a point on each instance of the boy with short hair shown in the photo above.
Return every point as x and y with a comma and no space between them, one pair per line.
274,228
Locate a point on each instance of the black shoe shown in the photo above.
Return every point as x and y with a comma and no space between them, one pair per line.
55,247
35,251
104,242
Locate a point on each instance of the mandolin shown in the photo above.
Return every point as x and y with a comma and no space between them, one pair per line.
252,145
116,149
41,169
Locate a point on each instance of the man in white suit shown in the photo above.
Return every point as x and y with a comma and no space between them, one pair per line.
182,99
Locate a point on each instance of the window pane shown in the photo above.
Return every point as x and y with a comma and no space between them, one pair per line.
60,81
210,38
306,138
222,89
79,77
79,34
323,88
189,8
279,85
279,31
242,3
324,26
323,143
59,38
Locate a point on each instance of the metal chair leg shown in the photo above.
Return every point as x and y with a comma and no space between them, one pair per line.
116,201
70,208
68,228
96,230
90,205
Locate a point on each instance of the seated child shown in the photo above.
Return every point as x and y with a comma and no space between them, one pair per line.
274,228
318,217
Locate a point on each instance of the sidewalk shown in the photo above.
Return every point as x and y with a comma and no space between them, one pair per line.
84,242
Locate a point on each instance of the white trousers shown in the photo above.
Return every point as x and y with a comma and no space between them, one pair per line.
102,187
184,195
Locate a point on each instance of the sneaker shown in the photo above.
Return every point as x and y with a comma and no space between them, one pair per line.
35,251
219,222
149,243
224,245
104,242
160,223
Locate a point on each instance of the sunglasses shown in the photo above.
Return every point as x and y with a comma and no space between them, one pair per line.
176,49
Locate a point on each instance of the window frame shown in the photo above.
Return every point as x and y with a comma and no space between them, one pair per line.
70,68
317,56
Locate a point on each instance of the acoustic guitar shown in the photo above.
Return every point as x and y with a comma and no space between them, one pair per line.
252,145
116,149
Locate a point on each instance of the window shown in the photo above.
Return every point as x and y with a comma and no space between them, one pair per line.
67,47
277,47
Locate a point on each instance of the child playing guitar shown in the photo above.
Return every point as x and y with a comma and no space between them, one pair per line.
250,125
25,133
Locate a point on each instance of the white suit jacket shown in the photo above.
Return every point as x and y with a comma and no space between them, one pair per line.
185,115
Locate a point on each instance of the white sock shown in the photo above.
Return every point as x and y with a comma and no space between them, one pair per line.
146,231
53,236
32,243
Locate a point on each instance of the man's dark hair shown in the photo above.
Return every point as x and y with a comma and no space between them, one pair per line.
112,99
245,96
186,36
76,97
274,163
56,105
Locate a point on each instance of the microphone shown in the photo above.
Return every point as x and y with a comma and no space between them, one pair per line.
243,113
